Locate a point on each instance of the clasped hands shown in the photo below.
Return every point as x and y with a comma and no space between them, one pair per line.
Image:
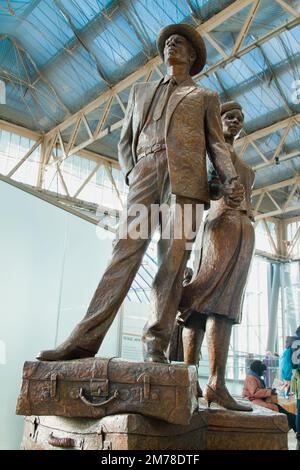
233,193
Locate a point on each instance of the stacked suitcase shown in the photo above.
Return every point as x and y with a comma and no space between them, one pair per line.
209,429
112,404
82,392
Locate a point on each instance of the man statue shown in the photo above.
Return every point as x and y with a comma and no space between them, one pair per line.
169,126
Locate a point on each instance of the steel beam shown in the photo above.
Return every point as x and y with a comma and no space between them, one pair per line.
285,125
260,133
14,128
87,180
280,185
277,212
281,208
246,26
287,7
26,156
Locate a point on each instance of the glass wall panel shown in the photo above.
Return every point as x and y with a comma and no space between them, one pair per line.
13,148
51,263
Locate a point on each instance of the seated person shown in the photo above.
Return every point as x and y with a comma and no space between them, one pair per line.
255,390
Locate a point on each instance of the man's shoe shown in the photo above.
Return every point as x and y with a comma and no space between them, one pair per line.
156,357
223,398
64,352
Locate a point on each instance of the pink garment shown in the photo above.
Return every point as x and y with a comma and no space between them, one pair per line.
254,392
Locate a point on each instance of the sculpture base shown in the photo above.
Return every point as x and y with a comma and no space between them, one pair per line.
210,429
261,429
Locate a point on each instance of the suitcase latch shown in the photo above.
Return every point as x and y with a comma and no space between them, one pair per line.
99,387
104,444
53,386
34,427
145,378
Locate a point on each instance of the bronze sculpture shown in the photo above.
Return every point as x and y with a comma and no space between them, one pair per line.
168,127
212,302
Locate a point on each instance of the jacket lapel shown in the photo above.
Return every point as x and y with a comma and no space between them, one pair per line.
179,93
148,97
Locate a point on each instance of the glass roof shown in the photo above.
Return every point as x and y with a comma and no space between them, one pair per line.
56,56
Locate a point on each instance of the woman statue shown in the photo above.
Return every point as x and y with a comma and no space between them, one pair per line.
212,302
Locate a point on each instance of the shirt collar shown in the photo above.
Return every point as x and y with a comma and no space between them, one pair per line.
188,80
167,78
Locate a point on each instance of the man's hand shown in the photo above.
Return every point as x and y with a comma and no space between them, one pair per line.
215,188
234,194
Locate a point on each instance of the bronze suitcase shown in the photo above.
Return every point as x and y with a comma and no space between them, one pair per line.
97,387
119,432
261,429
209,429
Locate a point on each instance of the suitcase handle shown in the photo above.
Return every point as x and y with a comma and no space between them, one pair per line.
89,403
65,442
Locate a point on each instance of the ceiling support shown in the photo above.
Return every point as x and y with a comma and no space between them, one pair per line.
206,29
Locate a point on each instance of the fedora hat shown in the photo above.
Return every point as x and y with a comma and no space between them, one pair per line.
192,36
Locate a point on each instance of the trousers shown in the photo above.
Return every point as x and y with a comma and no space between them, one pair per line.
149,185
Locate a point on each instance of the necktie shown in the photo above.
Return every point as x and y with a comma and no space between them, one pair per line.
163,102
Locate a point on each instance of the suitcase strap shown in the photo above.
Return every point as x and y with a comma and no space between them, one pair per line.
99,387
64,442
98,405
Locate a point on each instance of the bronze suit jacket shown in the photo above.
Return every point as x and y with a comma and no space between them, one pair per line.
193,127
